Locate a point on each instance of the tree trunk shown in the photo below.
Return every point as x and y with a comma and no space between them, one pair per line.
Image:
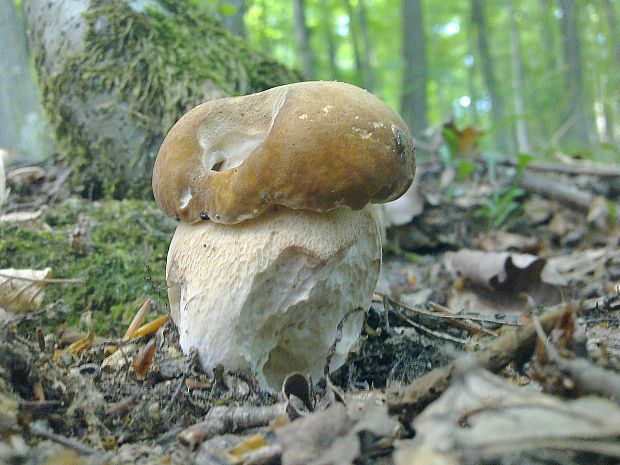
523,141
577,122
114,81
22,126
329,38
234,22
502,135
353,34
547,36
413,104
303,39
368,53
612,104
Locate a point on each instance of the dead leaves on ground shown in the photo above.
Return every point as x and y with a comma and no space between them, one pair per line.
485,418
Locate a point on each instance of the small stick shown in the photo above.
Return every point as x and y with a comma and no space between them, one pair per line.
223,419
67,442
515,345
423,328
455,316
588,378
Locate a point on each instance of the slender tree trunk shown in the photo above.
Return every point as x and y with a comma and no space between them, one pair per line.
22,125
368,52
502,135
523,141
330,40
234,22
577,132
547,37
612,105
471,80
303,39
413,104
353,34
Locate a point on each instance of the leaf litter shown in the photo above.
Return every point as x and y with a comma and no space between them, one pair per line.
534,300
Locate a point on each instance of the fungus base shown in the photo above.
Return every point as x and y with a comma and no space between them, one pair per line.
265,296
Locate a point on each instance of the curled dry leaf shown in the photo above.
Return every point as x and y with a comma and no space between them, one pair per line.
144,358
483,419
26,176
404,209
22,290
338,434
500,282
21,216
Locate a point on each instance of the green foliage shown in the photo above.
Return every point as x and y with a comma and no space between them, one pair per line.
125,262
454,67
501,206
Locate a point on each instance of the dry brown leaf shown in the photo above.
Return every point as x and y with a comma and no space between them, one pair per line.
499,282
22,290
249,444
482,419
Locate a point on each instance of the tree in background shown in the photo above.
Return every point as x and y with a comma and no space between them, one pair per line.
413,104
502,135
303,39
22,126
523,140
577,125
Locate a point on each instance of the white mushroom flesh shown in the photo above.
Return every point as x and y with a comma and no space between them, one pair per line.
265,296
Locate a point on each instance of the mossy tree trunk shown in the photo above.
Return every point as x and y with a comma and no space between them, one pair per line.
116,74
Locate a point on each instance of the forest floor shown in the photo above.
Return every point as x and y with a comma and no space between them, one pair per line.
453,365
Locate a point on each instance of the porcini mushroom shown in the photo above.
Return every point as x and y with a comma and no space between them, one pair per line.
278,241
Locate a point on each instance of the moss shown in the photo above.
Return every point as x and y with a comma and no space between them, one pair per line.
124,263
153,65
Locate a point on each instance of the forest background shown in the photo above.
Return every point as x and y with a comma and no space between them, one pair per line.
537,76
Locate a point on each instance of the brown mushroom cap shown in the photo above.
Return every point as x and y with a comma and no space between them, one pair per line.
309,145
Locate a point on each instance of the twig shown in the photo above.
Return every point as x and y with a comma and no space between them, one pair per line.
575,169
423,328
551,188
517,345
483,319
224,419
588,378
441,312
67,442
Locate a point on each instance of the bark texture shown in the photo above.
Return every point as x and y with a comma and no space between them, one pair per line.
414,100
503,136
576,121
115,75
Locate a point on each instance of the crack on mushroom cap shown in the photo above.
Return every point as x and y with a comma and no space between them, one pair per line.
309,145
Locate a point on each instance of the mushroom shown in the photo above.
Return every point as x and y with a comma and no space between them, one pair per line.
279,241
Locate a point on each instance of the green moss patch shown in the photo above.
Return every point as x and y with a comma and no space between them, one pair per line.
121,259
144,67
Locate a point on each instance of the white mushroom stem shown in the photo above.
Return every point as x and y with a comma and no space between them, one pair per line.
266,295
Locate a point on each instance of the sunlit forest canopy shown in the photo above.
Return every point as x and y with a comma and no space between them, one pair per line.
535,75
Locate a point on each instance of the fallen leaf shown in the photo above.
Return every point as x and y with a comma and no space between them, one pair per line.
499,281
483,419
21,217
502,241
22,290
404,209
